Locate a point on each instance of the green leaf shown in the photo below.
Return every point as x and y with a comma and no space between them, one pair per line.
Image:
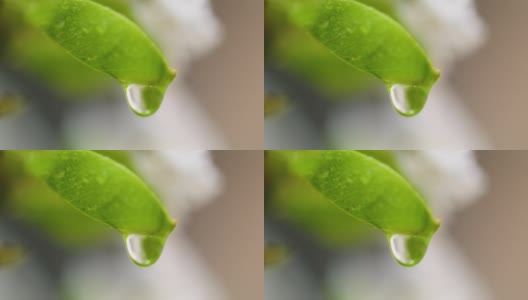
108,42
370,191
108,192
370,41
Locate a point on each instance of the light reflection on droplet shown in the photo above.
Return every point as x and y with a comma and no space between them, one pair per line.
406,249
142,249
407,100
143,100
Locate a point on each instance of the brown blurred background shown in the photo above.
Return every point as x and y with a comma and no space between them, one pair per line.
230,81
493,81
229,233
492,232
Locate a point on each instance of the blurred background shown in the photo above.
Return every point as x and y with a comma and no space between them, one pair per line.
492,80
491,233
229,231
48,100
231,78
478,252
478,103
215,252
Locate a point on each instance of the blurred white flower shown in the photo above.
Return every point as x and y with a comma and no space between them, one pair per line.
185,29
185,180
448,180
178,274
442,274
448,29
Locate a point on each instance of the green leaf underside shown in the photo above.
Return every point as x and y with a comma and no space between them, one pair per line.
105,191
104,40
363,188
365,38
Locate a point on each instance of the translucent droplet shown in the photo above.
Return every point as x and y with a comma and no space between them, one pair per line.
144,250
406,249
143,100
407,100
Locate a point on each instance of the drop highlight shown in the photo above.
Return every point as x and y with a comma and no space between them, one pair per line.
408,100
143,250
143,100
407,250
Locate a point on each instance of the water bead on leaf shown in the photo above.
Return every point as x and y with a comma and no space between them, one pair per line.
143,100
143,250
407,100
407,250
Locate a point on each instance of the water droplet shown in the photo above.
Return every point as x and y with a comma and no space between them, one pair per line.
144,250
407,100
408,250
143,100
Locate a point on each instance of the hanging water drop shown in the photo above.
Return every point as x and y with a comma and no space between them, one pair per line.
407,100
144,250
408,250
143,100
